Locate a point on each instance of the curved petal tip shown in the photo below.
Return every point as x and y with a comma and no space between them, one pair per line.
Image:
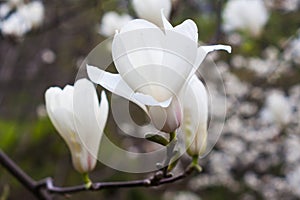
211,48
93,73
166,24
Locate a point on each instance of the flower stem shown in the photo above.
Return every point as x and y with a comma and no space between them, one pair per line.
87,180
170,153
172,136
195,164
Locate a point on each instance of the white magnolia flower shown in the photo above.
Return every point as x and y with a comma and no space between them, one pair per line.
5,8
26,17
33,13
153,66
290,5
14,25
292,52
112,21
195,116
277,109
150,10
293,179
246,15
80,120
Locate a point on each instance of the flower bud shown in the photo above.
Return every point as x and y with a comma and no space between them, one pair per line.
79,119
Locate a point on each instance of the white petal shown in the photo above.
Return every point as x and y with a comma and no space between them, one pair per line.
150,101
166,24
103,111
63,121
65,126
189,29
166,119
86,112
211,48
113,83
195,109
132,47
66,98
57,113
51,99
154,63
203,51
136,25
86,106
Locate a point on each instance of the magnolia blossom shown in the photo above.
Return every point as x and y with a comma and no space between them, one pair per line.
277,109
195,115
154,64
33,13
80,120
112,21
247,15
150,9
292,52
26,17
5,8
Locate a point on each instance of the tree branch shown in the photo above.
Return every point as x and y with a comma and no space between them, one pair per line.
22,177
148,182
44,189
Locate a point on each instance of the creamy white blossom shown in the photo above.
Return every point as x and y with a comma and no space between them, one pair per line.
14,25
277,108
5,8
195,116
150,9
33,13
292,52
290,5
79,119
293,180
246,15
111,22
24,19
153,66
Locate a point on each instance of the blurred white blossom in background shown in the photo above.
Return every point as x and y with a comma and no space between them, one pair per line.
292,52
112,21
245,15
48,56
293,180
277,108
24,19
285,5
291,5
151,9
4,9
181,195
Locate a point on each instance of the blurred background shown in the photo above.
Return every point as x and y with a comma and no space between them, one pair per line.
43,43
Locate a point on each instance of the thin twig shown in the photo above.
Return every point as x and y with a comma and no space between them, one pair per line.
44,188
149,182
